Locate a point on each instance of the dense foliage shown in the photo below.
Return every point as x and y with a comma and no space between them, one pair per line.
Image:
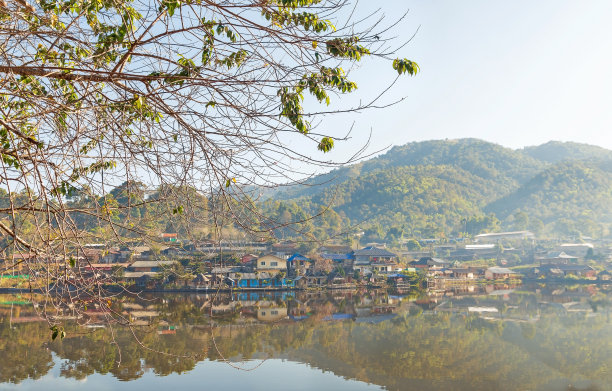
465,187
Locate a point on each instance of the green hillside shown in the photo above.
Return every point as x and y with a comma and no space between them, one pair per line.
569,197
446,187
556,151
503,166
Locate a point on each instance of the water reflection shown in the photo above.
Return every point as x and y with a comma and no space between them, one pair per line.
483,338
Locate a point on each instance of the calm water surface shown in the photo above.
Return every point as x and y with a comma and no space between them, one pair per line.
482,338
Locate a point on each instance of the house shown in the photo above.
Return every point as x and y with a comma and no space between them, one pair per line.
271,264
334,249
150,266
367,255
248,258
382,267
345,260
140,279
557,258
169,237
427,262
474,251
500,273
604,276
582,271
297,265
283,250
316,279
202,281
498,236
462,273
576,249
225,271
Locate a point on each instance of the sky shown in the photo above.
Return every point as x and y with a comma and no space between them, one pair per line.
516,73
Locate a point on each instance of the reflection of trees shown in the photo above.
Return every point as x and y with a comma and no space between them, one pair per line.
23,352
416,349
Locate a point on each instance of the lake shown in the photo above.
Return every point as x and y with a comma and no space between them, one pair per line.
474,338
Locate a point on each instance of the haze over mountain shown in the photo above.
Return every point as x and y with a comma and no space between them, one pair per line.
446,187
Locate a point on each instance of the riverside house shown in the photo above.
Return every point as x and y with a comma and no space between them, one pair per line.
271,264
500,273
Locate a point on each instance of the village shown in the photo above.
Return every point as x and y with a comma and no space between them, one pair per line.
252,266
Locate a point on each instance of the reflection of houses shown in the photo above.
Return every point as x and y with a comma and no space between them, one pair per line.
259,280
270,311
271,314
500,273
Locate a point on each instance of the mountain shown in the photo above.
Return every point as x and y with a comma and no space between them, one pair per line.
441,187
557,151
505,167
571,195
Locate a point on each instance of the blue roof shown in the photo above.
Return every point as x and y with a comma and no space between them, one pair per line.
338,257
298,257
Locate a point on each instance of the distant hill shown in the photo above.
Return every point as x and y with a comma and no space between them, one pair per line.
504,166
441,186
557,151
571,195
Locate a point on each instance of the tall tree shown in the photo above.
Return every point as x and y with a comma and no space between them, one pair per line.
193,94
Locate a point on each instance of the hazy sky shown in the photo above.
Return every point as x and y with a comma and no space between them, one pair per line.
513,72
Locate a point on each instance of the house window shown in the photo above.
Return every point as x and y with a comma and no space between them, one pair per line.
263,313
273,312
263,263
274,264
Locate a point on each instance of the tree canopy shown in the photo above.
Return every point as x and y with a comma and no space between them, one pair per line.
199,98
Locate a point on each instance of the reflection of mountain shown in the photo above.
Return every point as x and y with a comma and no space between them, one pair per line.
376,338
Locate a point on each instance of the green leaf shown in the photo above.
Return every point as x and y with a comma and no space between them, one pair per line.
211,103
326,144
406,66
72,262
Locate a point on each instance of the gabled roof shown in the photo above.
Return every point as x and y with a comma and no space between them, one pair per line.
430,260
573,268
298,257
501,270
152,263
338,257
336,249
559,254
374,252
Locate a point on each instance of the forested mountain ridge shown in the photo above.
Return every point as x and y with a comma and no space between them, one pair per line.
440,187
557,151
504,166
